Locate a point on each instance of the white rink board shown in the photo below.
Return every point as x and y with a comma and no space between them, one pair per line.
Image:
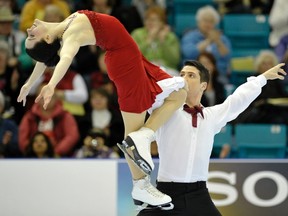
58,187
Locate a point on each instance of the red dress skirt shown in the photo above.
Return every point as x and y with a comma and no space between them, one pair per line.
134,77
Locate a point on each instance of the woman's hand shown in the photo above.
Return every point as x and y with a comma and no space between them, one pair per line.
23,94
46,93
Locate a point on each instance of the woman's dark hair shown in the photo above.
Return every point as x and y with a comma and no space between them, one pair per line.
204,73
46,53
50,149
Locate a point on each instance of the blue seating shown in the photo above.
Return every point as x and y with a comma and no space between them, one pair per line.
222,138
183,23
261,140
248,33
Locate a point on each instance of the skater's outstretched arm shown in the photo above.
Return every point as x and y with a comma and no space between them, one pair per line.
68,51
37,72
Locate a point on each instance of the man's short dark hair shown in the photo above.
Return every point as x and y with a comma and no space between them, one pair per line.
204,73
46,53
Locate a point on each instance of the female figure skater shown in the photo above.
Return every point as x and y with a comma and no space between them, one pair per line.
140,85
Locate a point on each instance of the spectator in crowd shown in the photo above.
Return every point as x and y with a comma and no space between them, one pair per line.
12,4
143,5
59,125
15,39
71,90
244,6
101,79
156,40
8,134
278,22
34,9
101,117
215,92
53,13
281,50
39,146
95,146
261,110
208,38
10,84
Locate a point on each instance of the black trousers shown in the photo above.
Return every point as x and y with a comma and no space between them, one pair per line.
189,199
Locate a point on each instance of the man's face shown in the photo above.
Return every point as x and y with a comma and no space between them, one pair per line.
192,77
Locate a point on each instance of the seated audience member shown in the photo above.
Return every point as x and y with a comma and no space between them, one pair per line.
206,37
244,6
265,109
8,134
59,125
39,146
100,79
10,84
281,50
215,92
18,58
95,146
156,40
71,90
34,9
143,5
101,117
53,13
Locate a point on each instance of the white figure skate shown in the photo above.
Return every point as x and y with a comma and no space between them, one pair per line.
139,143
145,195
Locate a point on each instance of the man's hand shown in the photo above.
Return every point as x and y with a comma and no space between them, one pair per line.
275,72
23,94
46,93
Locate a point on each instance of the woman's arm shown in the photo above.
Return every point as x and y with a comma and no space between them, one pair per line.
69,50
36,74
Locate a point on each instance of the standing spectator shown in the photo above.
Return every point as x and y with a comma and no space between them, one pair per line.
59,125
8,134
278,22
34,9
15,39
39,146
215,92
208,38
156,40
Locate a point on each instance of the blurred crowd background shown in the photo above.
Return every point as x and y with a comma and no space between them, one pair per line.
234,39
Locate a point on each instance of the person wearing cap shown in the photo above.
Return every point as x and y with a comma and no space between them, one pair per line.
15,39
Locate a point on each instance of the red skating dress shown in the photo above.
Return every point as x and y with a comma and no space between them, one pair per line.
135,78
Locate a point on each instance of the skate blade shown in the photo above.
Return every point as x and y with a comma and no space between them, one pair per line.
138,160
140,206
